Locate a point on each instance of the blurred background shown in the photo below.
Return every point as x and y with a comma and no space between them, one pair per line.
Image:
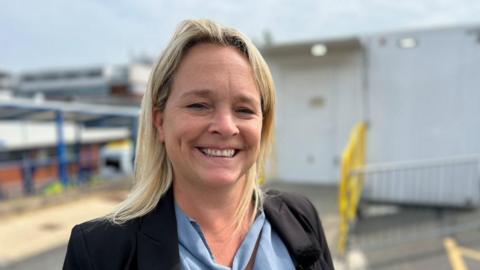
377,119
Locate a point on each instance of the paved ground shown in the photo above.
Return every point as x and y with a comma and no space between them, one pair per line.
413,238
50,259
33,234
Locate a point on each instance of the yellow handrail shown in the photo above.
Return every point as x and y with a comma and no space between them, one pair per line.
351,186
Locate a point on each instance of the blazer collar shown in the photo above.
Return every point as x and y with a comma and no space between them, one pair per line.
157,238
293,230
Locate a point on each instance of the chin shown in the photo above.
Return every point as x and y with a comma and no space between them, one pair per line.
214,180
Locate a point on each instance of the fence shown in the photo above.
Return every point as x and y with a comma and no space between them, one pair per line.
28,176
446,182
442,197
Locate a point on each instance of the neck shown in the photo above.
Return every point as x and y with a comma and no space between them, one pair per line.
213,209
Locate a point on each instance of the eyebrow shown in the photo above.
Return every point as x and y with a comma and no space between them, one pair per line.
197,93
247,99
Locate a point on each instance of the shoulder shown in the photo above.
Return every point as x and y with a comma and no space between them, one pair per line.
288,197
295,219
295,202
98,230
292,209
93,242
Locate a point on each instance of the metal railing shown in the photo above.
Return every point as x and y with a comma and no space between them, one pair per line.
445,182
442,197
438,185
351,185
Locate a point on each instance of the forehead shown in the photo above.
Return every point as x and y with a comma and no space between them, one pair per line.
208,53
215,68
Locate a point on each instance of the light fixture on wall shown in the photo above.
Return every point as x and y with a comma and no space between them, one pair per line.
318,49
407,43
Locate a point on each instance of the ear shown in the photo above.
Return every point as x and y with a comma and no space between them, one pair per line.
158,123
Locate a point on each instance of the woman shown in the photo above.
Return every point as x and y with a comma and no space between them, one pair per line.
205,130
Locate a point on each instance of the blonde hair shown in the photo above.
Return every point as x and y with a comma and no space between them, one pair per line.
153,170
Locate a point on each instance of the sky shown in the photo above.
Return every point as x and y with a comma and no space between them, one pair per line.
36,35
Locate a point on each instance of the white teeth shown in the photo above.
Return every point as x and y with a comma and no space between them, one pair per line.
218,153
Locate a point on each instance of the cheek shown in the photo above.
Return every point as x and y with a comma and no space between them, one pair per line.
255,135
182,131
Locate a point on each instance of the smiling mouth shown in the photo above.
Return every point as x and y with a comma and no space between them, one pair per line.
222,153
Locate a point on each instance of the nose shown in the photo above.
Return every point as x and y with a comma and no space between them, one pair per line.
223,123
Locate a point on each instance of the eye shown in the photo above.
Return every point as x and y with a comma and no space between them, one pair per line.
245,110
198,106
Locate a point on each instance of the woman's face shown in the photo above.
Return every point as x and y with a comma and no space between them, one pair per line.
212,121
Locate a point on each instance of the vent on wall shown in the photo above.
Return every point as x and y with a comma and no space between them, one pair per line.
317,102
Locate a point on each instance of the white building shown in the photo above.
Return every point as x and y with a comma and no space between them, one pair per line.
6,84
122,85
417,90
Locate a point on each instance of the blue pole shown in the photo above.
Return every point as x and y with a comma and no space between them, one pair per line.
28,171
78,153
61,150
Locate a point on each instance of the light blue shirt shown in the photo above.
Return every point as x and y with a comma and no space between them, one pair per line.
196,255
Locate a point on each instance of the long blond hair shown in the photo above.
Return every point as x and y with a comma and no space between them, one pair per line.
153,170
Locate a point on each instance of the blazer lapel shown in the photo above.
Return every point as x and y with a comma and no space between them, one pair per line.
157,239
294,231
